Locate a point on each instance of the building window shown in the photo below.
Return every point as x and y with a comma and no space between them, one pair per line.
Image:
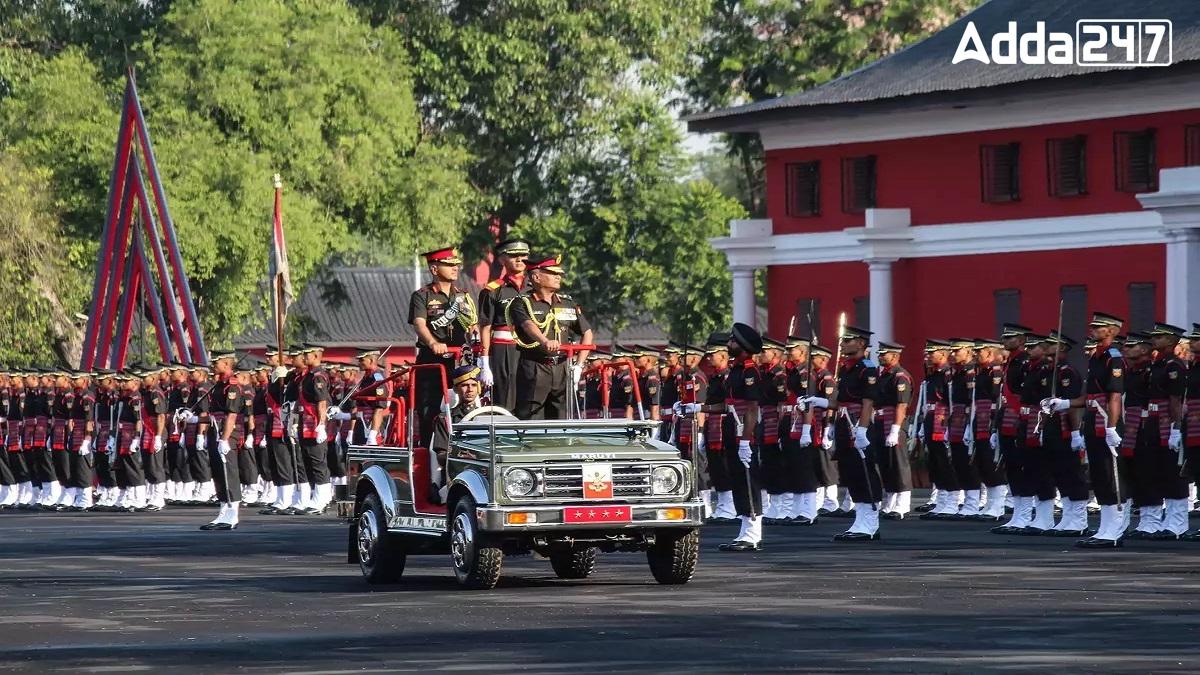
1008,307
1066,166
808,318
1075,322
1141,305
804,189
858,184
1191,145
1136,161
1000,172
862,312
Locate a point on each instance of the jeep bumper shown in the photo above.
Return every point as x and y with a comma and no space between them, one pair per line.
550,517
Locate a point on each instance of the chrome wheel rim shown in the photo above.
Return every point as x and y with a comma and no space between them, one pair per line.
462,537
368,534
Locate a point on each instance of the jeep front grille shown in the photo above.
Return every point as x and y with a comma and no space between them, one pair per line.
566,482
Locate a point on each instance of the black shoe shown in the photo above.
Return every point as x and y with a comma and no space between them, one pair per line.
823,511
1165,535
1190,535
801,521
930,515
292,511
739,547
1006,529
153,508
985,518
715,520
210,526
271,511
224,526
891,515
925,507
1139,534
1069,533
313,511
1030,531
855,536
1093,542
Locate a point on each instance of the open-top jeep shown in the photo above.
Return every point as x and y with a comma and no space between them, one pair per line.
564,489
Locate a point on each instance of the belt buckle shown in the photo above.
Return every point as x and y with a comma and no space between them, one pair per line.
1145,413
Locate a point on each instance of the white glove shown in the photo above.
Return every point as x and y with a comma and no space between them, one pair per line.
340,417
1175,440
223,447
1056,405
745,453
1112,438
860,438
827,442
677,408
893,437
111,445
135,445
332,412
279,373
201,443
322,433
1076,440
701,443
372,437
576,374
85,448
485,371
809,401
262,443
248,442
691,408
994,441
806,435
158,444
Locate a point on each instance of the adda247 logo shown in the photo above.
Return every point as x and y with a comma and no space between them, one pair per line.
1096,42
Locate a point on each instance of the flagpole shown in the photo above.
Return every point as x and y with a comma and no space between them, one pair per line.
277,282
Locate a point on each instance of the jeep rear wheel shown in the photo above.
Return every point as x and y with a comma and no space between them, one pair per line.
574,563
674,555
381,556
476,559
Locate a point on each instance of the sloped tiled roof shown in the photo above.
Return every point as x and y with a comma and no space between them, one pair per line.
368,307
926,67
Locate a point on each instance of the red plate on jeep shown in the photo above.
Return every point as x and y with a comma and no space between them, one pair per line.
618,513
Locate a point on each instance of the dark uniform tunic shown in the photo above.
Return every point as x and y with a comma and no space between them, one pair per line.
773,394
1008,424
15,442
502,352
1067,469
225,401
620,392
105,416
825,386
1105,378
743,387
445,315
176,457
989,381
719,438
1156,463
1191,421
895,386
199,401
857,382
82,415
543,378
38,414
690,386
936,428
153,404
649,385
247,458
6,474
128,467
1137,465
668,395
313,389
960,437
60,411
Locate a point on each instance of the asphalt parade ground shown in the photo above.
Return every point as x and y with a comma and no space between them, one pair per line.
150,593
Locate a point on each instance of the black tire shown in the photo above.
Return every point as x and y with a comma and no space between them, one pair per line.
475,558
575,563
674,555
381,556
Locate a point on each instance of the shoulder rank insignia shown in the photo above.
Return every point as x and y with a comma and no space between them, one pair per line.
493,285
1114,352
868,363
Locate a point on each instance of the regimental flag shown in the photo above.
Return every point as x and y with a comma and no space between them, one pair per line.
281,295
619,513
597,481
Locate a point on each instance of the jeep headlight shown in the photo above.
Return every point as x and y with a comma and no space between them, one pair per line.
519,482
665,480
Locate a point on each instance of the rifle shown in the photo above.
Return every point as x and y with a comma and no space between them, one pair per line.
916,425
969,435
1037,428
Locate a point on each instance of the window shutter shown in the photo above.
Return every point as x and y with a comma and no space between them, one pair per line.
804,189
1008,307
858,184
1191,145
1000,172
1067,166
1141,305
1137,161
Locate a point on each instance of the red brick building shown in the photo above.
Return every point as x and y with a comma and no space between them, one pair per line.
931,199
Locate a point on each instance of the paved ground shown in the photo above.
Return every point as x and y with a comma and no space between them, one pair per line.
142,592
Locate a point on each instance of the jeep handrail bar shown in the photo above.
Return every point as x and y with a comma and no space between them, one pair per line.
508,425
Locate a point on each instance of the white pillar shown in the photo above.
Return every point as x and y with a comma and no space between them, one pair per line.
1183,277
743,295
880,272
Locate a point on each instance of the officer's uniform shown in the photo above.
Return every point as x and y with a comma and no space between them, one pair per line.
959,433
799,452
690,387
246,454
668,395
503,358
37,438
1158,470
743,460
81,448
1009,426
153,407
106,429
8,482
719,438
313,436
373,393
895,388
1065,446
449,316
1191,418
935,429
60,413
772,396
176,453
649,385
595,377
226,401
825,460
1105,380
131,479
543,379
621,384
989,379
195,440
279,449
857,387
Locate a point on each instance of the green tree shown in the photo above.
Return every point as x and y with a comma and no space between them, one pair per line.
755,50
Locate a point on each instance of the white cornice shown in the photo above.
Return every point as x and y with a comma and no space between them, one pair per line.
1030,110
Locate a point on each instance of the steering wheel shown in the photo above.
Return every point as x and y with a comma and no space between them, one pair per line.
485,410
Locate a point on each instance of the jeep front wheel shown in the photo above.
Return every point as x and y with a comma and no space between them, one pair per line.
476,560
381,556
674,555
574,563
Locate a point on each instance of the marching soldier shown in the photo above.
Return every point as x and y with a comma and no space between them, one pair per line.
225,407
668,392
81,432
988,383
1160,443
313,406
743,392
15,443
279,451
817,433
1006,437
621,383
800,481
247,462
594,377
895,386
8,482
153,407
691,388
200,488
936,387
1102,411
38,393
104,439
772,395
131,479
960,435
499,359
717,442
1061,439
176,454
262,429
857,389
371,410
1191,413
543,318
648,381
443,315
62,399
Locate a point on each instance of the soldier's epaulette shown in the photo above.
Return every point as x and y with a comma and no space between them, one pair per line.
564,297
493,285
1114,352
